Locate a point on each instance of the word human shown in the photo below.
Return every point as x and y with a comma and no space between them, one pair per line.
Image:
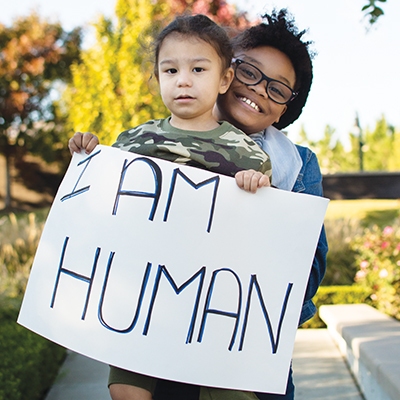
197,279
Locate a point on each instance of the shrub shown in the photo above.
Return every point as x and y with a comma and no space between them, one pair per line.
378,262
336,295
340,259
19,238
28,362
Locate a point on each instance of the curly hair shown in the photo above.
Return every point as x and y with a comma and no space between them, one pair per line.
278,30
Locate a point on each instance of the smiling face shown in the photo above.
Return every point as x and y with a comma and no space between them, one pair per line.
248,107
190,79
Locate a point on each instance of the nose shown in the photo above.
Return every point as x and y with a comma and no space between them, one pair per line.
184,79
260,89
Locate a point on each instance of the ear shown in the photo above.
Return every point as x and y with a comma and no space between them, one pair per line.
280,115
226,80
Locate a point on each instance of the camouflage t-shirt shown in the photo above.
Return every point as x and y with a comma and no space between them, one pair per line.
225,150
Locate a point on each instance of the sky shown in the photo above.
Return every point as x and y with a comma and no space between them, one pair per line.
356,70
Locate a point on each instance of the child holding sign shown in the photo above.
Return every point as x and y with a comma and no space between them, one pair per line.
193,66
193,58
272,51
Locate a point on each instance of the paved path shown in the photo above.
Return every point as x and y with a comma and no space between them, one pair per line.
319,373
319,370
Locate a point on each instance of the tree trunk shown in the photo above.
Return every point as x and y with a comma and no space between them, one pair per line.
7,152
7,200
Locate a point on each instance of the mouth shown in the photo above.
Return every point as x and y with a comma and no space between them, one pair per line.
184,97
250,103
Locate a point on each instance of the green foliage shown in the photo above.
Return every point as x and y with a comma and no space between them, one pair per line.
378,262
332,155
113,89
34,55
373,11
28,362
376,150
340,259
336,295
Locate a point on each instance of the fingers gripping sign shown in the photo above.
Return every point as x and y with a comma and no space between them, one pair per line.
251,180
82,141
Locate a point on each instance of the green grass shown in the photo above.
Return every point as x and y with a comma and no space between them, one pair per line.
380,212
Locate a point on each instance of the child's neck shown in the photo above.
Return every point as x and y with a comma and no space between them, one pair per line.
201,125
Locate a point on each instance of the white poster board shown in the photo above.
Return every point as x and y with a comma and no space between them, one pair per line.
173,271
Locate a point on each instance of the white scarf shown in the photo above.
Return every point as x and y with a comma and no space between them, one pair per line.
285,159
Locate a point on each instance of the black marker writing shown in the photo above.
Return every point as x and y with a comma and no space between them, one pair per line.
76,192
153,195
86,279
214,180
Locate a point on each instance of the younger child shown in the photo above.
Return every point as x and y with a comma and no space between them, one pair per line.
193,59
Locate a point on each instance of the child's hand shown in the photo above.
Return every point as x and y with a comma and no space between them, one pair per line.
82,141
251,180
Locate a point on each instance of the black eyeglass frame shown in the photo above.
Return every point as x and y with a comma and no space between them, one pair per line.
238,61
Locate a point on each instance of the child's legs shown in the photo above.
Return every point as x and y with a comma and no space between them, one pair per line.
120,391
209,393
126,385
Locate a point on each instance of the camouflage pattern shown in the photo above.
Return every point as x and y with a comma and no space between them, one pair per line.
225,150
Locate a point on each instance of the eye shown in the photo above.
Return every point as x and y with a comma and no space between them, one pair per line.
198,69
248,73
171,71
278,90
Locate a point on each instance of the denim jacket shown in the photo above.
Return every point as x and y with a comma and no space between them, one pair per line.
309,181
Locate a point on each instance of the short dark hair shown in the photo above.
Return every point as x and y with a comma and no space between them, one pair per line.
278,30
201,27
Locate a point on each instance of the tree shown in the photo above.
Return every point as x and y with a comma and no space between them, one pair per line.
380,148
34,54
113,88
332,155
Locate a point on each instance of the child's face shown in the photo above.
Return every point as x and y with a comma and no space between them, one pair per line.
249,107
190,78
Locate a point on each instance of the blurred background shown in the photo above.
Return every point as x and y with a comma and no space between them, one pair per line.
84,66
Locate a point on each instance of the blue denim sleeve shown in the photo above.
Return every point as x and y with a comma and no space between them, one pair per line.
309,181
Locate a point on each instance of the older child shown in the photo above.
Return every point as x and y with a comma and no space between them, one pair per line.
193,66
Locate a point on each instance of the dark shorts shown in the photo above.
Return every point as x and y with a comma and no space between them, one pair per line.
118,375
164,390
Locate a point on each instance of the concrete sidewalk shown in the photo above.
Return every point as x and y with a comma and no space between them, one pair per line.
319,372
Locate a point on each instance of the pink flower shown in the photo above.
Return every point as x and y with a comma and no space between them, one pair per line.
384,245
388,230
360,275
364,264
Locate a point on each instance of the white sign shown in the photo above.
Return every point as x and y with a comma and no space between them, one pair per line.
173,271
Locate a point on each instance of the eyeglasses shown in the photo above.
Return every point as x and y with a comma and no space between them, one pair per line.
250,75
